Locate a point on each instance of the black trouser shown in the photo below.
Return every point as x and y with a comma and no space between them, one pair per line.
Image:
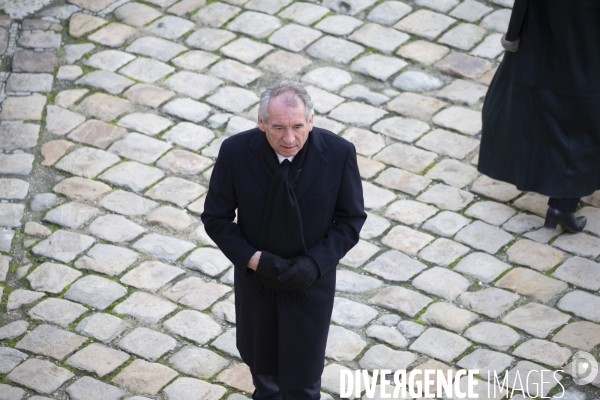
267,388
564,205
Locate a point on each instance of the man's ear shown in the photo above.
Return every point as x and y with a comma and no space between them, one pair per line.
310,122
261,125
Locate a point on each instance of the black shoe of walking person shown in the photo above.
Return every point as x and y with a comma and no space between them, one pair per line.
567,220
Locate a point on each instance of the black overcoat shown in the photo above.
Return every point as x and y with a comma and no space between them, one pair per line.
288,342
541,116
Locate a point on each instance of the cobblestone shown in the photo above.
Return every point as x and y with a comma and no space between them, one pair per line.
104,327
536,319
166,82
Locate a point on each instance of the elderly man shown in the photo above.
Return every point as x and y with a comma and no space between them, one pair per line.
299,202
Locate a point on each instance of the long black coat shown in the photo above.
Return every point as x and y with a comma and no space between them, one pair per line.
541,117
288,342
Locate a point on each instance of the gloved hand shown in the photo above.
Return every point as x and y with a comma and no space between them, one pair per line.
302,274
271,265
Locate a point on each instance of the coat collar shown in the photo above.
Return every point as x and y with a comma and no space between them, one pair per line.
314,163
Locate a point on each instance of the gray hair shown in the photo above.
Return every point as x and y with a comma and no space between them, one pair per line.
292,92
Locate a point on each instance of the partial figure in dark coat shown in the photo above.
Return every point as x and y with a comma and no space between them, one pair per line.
541,117
299,202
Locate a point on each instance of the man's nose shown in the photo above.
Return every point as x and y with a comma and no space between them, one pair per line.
288,137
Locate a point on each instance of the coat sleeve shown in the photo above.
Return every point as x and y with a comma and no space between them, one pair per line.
219,212
348,219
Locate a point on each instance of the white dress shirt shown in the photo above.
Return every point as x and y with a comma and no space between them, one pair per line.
281,158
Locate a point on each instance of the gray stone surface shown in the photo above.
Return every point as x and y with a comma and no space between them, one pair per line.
63,245
141,148
386,334
343,344
32,61
10,358
115,228
107,259
40,375
530,283
25,108
484,237
146,70
193,325
399,299
443,252
163,247
11,215
492,302
51,342
211,262
72,72
52,278
95,291
440,344
127,203
226,343
486,361
381,356
18,136
543,352
132,175
20,297
351,282
146,343
13,329
187,109
352,314
448,316
98,358
195,389
81,189
536,319
144,377
136,14
57,311
151,275
442,282
86,387
104,327
194,292
145,307
113,35
11,392
71,215
198,362
582,304
395,266
579,271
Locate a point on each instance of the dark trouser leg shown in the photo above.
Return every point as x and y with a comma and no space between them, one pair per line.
564,205
312,392
267,387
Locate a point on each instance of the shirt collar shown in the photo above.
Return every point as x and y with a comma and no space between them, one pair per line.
280,158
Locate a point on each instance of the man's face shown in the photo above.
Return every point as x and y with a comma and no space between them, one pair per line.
287,128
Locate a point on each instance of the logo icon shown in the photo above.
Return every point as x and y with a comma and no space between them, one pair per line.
585,368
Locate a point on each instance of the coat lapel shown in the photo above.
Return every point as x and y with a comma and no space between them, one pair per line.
314,163
256,163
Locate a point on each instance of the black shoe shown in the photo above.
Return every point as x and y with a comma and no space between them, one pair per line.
568,221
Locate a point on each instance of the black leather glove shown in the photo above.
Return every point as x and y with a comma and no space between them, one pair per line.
302,274
271,265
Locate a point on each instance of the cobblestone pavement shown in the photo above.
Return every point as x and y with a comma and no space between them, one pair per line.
112,114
